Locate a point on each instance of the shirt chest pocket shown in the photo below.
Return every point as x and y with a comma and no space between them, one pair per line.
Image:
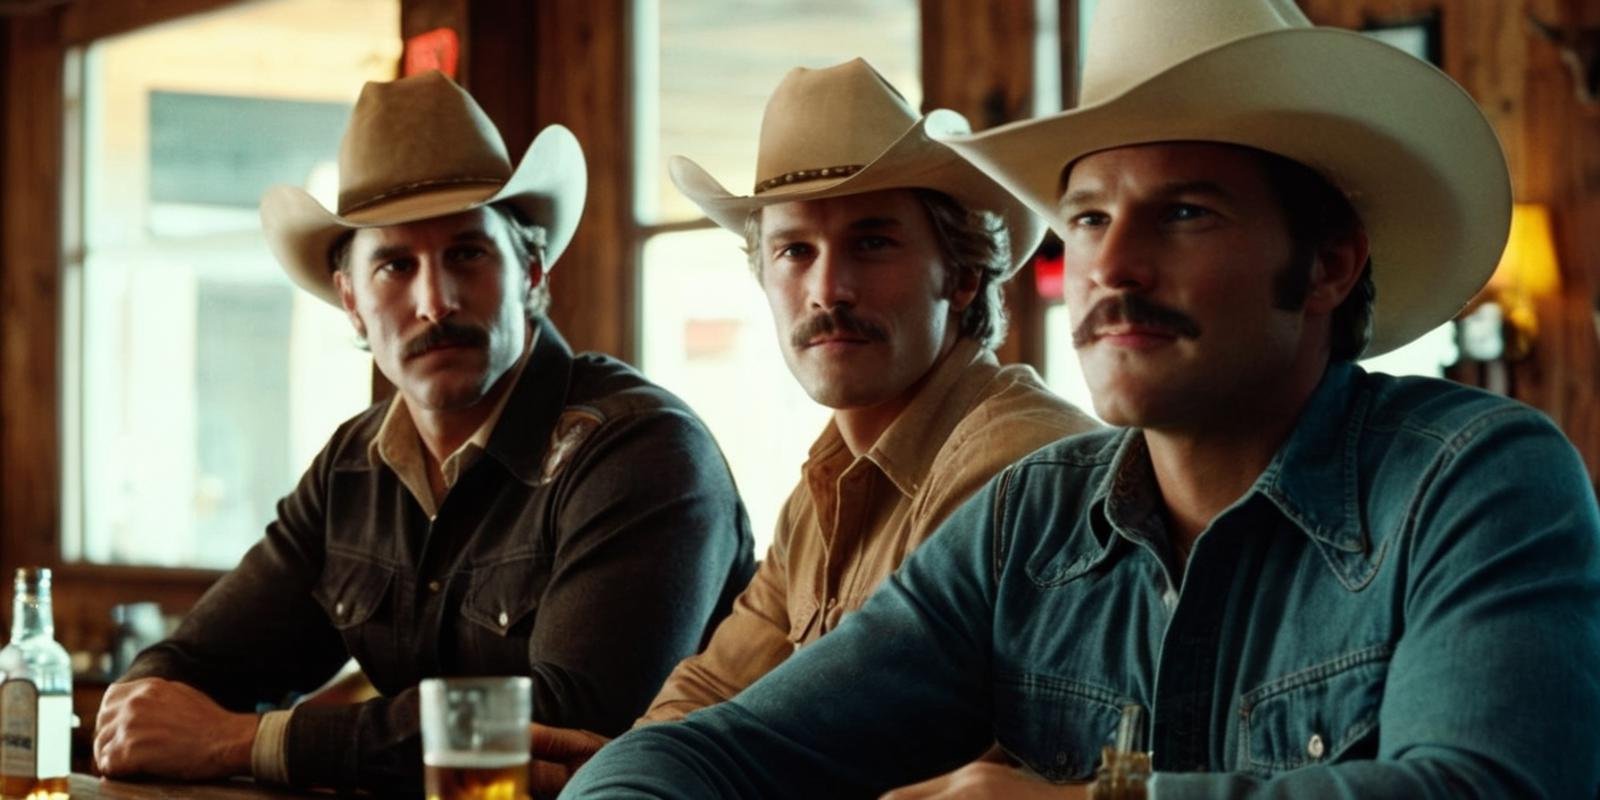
1055,727
1324,714
355,593
499,608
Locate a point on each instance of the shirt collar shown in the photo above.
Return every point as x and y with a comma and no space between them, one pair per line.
399,445
905,451
907,448
1312,479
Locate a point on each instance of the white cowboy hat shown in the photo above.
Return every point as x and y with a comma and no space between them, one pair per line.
416,148
844,130
1408,147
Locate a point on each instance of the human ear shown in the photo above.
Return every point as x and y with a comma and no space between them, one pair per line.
1339,264
347,298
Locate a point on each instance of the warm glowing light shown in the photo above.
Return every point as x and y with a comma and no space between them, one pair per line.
1528,270
1529,263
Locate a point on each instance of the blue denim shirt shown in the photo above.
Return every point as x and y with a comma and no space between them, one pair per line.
1405,604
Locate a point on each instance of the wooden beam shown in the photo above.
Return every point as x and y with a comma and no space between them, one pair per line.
977,58
83,21
582,77
30,299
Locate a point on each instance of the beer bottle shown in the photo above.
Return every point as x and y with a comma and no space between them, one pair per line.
35,697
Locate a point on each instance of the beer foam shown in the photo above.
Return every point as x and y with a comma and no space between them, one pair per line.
466,759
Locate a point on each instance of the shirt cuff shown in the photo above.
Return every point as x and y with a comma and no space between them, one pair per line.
269,761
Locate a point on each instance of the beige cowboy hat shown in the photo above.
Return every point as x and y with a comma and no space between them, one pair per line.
1408,147
416,148
844,130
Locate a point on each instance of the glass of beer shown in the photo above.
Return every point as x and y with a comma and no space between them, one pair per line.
475,737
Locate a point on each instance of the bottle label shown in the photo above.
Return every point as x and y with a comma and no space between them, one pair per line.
19,727
35,731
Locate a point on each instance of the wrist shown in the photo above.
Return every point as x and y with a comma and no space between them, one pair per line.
233,748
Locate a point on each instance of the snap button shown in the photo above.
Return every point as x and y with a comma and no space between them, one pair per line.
505,619
1315,748
433,586
338,608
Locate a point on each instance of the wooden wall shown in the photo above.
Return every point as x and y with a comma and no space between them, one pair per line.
1552,143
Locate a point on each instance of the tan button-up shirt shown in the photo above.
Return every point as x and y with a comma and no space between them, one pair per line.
852,520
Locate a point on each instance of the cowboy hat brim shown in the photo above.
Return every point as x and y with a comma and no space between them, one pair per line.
1410,149
914,160
549,187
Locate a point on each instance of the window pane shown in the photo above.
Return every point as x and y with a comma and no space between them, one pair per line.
715,62
203,381
1061,370
709,337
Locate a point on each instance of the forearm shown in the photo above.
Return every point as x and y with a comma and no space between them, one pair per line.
374,746
747,645
899,692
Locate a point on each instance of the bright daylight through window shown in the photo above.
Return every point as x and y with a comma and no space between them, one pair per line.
199,383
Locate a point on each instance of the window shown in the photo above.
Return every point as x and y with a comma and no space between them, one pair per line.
198,381
704,72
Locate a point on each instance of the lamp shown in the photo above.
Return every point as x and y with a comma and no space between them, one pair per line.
1528,270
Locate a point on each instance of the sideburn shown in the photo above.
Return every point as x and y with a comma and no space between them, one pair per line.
1292,284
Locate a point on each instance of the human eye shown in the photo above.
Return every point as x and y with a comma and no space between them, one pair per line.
1089,219
402,265
875,243
1187,212
793,250
464,253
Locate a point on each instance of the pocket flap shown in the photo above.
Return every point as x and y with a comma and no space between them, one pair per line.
352,589
1323,714
502,598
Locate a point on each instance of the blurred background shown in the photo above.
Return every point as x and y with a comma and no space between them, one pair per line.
162,384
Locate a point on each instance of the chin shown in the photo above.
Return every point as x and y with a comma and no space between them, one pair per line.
451,396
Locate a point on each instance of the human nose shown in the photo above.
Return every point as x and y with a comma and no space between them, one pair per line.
435,291
832,280
1120,258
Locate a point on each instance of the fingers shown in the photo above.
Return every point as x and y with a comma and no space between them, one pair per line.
921,791
563,744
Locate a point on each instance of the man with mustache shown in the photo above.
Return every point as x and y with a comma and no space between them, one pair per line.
882,256
515,510
1283,577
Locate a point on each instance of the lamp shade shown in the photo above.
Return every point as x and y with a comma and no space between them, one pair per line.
1528,266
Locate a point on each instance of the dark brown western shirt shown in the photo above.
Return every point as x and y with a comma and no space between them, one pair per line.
594,544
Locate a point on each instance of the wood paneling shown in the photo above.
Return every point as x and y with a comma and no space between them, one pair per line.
977,58
583,57
30,238
83,21
1552,144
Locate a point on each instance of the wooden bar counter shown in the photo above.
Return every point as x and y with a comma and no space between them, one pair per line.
89,787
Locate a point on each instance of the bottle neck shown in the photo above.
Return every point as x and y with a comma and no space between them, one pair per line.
31,616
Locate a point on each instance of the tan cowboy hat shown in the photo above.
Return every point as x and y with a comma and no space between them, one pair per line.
1408,147
416,148
844,130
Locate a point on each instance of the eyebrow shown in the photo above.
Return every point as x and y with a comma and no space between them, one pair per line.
392,251
863,224
1082,197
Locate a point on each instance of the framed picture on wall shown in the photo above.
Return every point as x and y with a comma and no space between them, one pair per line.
1417,35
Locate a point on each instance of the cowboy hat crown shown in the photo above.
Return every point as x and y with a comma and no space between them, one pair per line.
417,148
845,130
1408,147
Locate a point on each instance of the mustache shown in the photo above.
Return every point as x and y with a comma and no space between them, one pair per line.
1133,309
839,319
445,334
